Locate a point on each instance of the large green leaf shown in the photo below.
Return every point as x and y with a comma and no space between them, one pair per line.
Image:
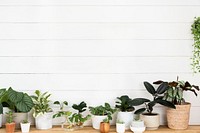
139,101
14,96
25,105
140,111
149,88
1,108
165,103
162,88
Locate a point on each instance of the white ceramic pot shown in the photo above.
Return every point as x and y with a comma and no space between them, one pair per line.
126,117
25,127
1,119
44,121
120,128
137,123
152,122
18,118
96,120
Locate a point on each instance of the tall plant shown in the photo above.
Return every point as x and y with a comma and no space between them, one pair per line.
196,51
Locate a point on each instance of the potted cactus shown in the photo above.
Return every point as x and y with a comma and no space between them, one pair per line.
178,118
151,119
100,113
10,124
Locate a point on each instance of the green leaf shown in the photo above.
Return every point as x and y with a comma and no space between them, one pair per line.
25,105
1,108
140,111
139,101
65,103
162,88
149,88
57,102
166,103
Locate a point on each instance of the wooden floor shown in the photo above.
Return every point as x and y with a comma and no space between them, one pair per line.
162,129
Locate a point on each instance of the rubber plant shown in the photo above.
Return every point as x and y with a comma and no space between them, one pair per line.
157,98
196,50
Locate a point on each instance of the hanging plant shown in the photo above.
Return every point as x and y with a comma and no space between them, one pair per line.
196,51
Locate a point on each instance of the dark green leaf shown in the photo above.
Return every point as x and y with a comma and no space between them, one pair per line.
162,88
165,103
140,111
149,88
139,101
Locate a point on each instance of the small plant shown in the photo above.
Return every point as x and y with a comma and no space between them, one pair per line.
196,52
65,103
78,118
157,98
120,122
174,93
41,103
125,104
103,110
25,121
9,117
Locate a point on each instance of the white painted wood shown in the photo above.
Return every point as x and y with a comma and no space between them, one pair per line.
95,64
80,48
98,14
100,2
96,31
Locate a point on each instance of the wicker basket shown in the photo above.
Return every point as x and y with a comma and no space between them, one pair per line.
179,118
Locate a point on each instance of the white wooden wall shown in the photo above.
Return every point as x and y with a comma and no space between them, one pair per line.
96,50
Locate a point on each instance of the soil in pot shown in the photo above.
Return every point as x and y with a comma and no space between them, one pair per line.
151,121
179,118
104,127
10,127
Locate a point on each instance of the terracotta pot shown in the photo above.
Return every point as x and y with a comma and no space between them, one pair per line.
179,118
151,121
104,127
10,127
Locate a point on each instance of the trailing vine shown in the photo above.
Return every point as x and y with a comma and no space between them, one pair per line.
196,51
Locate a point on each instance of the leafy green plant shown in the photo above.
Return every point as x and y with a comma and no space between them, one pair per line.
103,110
16,101
65,103
78,118
9,117
41,103
157,98
25,121
125,103
174,93
196,51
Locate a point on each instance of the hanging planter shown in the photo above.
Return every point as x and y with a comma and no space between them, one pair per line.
196,50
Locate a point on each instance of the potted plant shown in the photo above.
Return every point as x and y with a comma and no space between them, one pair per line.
178,118
152,120
100,113
125,105
196,51
2,97
25,126
77,118
105,125
10,124
137,126
120,126
41,110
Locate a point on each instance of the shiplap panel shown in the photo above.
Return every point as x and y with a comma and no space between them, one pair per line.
100,2
94,64
98,14
95,47
96,31
89,82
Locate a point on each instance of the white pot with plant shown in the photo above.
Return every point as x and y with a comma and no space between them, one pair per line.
125,107
100,113
42,111
152,120
137,126
179,118
25,126
120,126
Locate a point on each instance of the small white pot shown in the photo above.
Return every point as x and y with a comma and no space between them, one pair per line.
25,127
96,120
126,117
1,119
152,122
137,123
44,121
120,128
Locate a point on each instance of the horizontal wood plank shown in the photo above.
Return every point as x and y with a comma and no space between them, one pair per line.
96,31
101,2
99,14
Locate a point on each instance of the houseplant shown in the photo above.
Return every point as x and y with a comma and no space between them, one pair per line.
178,118
100,113
196,51
120,126
41,110
2,95
152,120
77,118
10,124
105,125
25,126
125,105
